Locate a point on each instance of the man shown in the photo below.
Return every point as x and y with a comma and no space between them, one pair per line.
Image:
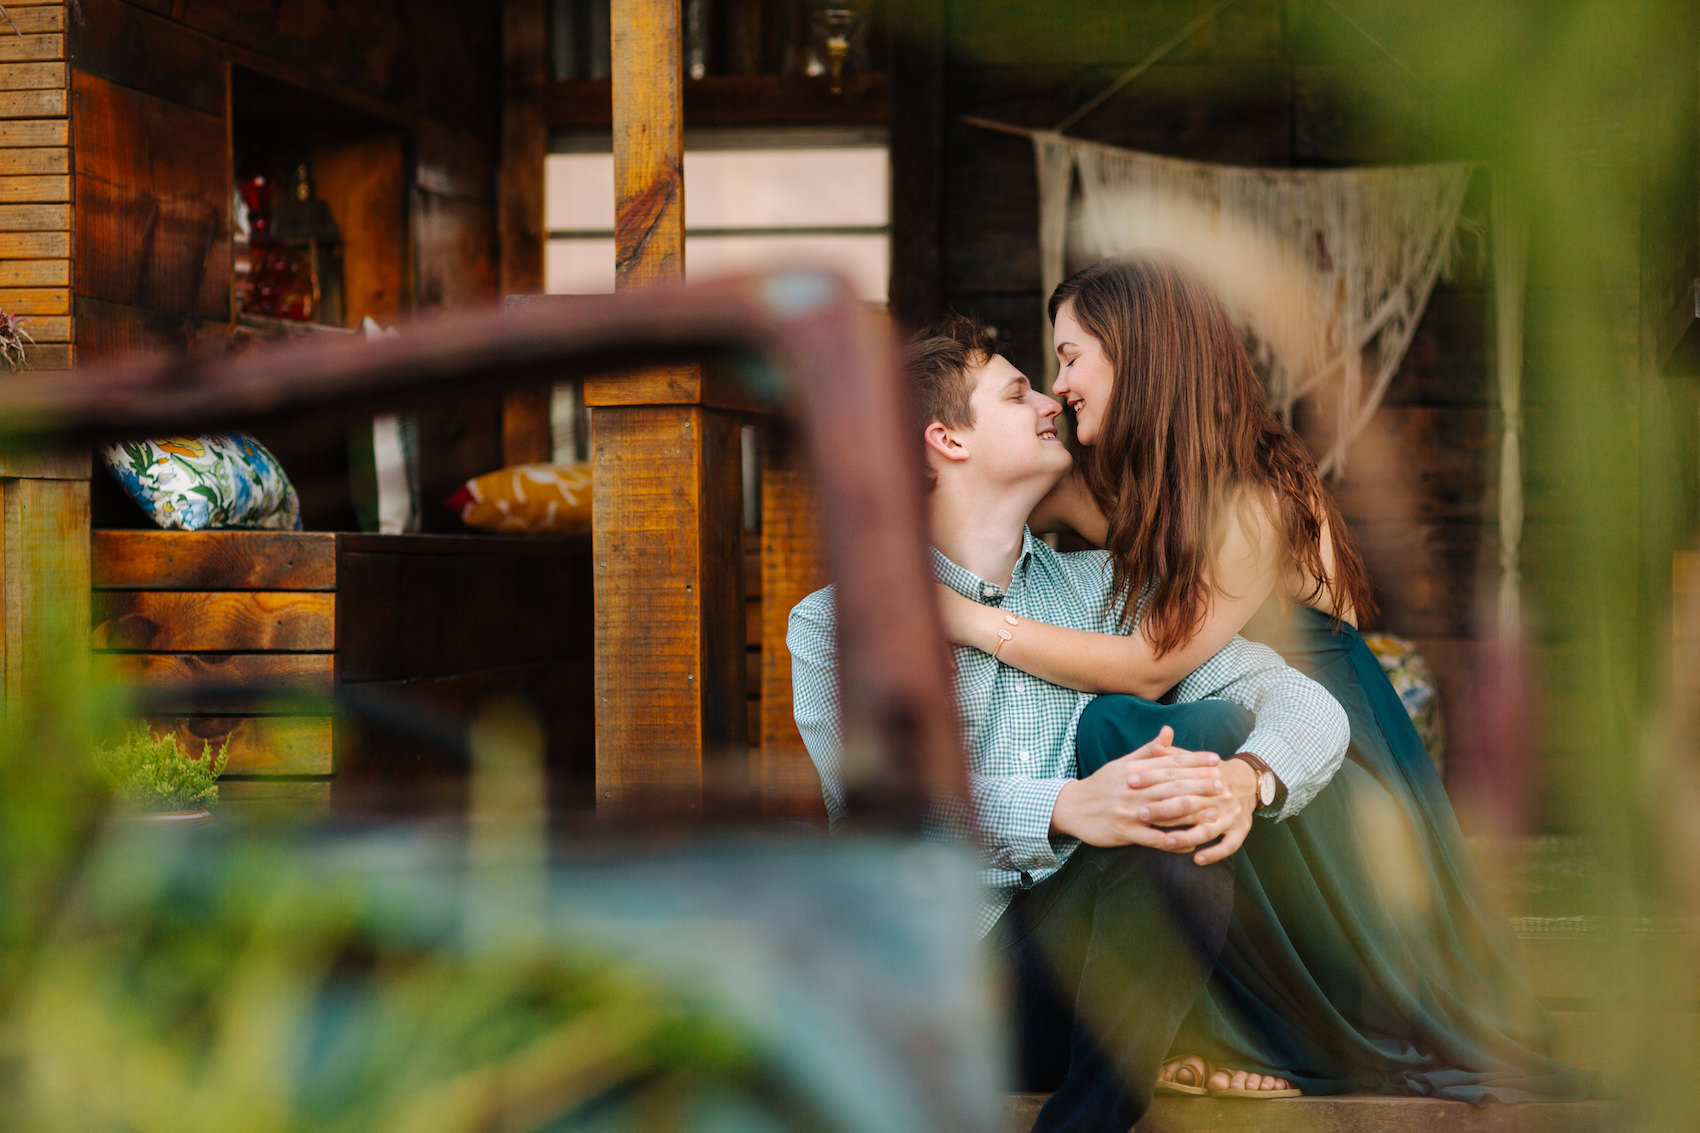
1095,899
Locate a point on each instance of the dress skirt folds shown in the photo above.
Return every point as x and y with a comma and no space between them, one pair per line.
1365,954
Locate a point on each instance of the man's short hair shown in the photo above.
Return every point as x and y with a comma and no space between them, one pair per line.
936,363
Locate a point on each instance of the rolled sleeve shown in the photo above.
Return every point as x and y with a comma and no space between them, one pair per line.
1304,769
1301,731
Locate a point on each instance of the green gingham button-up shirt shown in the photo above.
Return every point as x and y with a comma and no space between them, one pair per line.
1019,730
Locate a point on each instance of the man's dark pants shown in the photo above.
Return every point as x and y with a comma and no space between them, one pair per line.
1108,953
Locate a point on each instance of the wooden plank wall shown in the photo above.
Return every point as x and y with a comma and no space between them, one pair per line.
44,497
516,634
171,609
299,616
35,180
1249,89
153,110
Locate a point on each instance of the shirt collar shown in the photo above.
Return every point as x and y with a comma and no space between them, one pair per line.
970,585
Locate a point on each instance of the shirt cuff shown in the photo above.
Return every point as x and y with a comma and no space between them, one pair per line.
1025,832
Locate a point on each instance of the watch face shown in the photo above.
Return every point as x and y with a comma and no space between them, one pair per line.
1266,788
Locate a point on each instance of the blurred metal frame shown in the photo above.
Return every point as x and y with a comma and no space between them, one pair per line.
840,381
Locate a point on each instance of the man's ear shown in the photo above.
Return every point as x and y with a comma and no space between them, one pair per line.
946,442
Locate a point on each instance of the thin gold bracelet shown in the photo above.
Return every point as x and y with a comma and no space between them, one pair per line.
1004,636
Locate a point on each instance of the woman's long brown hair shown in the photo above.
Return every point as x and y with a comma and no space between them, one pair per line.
1189,433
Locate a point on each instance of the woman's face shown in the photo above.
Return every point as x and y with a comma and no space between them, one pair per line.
1084,374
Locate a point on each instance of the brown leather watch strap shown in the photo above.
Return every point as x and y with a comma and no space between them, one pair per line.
1262,768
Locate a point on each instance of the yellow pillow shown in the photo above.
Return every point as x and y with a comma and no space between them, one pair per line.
527,497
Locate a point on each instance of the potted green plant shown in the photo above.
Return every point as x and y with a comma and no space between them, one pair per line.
160,779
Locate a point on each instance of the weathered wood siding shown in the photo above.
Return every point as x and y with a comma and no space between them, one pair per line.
300,617
35,182
155,92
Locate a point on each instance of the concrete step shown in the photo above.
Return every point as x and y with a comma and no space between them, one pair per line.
1351,1114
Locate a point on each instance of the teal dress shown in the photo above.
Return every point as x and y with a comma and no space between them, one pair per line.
1365,954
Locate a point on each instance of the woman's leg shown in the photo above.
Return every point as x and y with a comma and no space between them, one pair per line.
1112,726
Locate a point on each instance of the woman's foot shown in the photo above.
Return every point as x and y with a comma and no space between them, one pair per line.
1183,1074
1245,1084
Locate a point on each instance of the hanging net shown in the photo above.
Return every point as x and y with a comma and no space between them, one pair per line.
1326,272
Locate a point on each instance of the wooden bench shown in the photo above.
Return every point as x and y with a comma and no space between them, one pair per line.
302,618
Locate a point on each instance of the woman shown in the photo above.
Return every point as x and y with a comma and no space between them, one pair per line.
1365,954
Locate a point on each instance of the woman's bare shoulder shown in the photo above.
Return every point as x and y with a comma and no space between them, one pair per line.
1257,535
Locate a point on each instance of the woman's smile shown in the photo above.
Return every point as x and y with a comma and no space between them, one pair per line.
1085,375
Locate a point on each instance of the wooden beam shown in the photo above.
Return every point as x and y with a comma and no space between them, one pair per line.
917,157
33,20
214,560
525,147
35,301
186,621
44,533
670,662
34,103
174,677
263,745
671,727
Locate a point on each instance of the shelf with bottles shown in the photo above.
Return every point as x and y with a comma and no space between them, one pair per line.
318,209
746,62
288,246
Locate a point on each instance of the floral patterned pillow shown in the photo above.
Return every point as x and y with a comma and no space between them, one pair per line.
1412,678
216,480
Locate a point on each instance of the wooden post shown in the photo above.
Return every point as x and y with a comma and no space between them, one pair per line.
44,570
670,668
525,147
791,568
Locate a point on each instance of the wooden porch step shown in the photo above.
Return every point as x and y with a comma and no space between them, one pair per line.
1351,1114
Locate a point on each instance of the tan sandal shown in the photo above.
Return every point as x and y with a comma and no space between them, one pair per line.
1190,1064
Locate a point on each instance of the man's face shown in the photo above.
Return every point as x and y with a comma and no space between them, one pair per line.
1014,438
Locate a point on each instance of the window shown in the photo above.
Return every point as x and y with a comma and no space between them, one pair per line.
752,199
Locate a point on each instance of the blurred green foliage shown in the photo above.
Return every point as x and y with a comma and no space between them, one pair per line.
176,980
1584,114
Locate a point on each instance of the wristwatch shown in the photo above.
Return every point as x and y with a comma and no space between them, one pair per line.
1269,788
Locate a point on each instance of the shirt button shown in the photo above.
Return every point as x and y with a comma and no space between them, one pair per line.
1024,757
989,591
1026,880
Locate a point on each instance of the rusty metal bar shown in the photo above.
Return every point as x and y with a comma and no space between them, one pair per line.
839,379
